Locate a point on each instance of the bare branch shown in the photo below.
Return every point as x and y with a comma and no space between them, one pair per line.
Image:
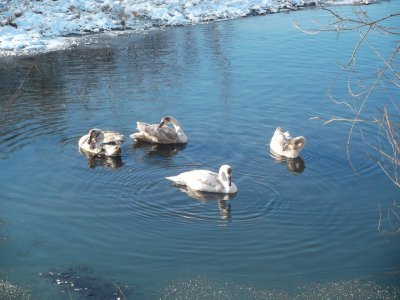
334,119
120,290
16,94
380,218
363,36
362,88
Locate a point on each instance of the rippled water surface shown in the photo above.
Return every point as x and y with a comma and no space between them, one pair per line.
306,228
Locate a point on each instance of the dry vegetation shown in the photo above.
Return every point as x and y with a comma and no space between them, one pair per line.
386,80
358,107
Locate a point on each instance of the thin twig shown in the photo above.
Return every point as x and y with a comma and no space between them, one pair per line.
387,174
334,119
380,218
16,94
355,50
69,292
395,213
120,290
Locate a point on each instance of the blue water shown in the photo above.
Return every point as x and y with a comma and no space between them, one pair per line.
313,228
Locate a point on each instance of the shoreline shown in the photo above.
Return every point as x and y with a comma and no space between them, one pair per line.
36,28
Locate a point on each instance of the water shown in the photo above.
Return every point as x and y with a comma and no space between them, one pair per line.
306,230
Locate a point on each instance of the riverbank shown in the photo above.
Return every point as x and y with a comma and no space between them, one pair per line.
31,27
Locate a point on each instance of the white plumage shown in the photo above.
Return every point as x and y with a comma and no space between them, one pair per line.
207,181
283,144
160,133
101,143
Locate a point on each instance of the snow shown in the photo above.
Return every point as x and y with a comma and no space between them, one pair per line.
28,26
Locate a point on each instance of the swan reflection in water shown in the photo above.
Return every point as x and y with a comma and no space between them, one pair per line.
223,205
94,161
163,150
294,165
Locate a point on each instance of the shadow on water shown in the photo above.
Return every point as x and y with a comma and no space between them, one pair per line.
94,161
294,165
222,200
161,150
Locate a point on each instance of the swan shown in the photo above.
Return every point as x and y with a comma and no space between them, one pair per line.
283,144
101,143
207,181
160,133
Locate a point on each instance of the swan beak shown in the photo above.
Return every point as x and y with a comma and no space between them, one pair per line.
161,124
230,180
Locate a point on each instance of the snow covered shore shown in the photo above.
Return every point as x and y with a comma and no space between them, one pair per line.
32,26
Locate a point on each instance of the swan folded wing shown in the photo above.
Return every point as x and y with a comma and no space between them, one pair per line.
83,140
145,131
285,145
112,137
287,135
167,135
93,148
108,143
203,180
154,133
144,127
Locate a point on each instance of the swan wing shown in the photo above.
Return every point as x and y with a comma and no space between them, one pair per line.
154,133
145,132
112,137
145,127
199,180
166,135
83,140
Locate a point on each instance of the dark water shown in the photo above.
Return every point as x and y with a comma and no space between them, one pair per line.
306,229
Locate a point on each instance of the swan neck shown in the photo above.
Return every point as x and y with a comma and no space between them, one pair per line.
177,127
224,180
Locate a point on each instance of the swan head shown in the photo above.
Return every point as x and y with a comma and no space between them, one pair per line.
297,143
293,147
168,120
93,134
225,172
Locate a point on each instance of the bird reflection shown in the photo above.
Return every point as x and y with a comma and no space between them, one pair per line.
224,210
163,150
223,205
294,165
94,161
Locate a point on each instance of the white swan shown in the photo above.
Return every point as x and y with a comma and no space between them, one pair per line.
207,181
160,133
101,143
283,144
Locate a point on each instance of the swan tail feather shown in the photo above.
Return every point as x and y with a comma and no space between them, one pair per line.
175,179
136,136
141,126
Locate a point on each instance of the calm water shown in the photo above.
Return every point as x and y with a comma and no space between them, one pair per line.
307,229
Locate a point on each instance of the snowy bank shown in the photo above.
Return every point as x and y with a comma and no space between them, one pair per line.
38,26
